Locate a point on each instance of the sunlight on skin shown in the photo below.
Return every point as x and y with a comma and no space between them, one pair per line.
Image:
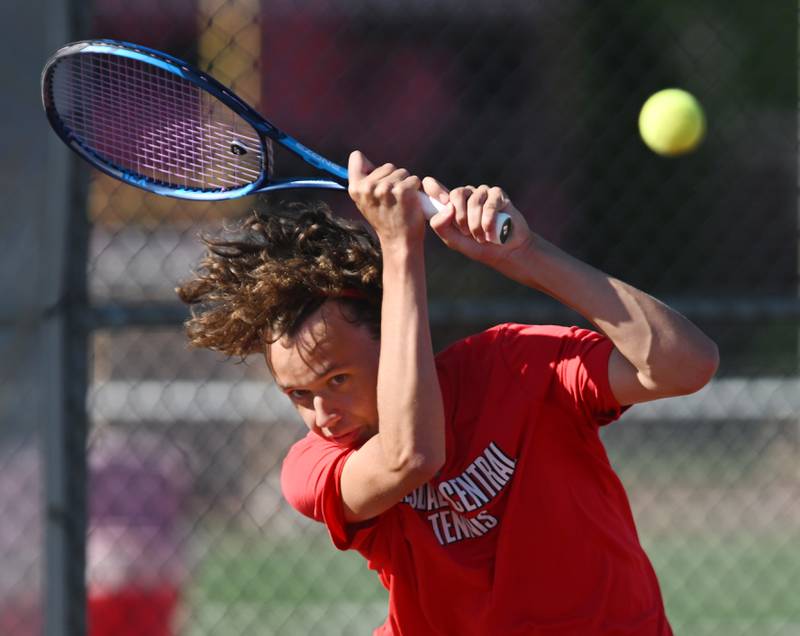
329,370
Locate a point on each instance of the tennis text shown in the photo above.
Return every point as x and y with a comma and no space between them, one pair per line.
456,500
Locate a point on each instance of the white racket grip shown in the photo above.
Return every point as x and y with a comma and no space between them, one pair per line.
502,224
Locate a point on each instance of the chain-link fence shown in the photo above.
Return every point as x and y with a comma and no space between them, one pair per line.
187,531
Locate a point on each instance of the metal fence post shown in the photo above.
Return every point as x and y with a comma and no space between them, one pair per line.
64,436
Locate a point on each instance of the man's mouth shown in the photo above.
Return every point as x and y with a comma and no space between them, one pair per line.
346,438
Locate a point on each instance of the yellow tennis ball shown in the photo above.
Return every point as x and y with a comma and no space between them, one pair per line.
672,122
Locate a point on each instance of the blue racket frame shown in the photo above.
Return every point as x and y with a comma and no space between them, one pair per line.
180,68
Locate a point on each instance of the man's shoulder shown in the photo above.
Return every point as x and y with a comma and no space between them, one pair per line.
501,335
306,469
510,349
311,449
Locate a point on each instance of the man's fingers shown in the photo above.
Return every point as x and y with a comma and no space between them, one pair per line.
459,198
408,187
381,172
488,222
389,182
442,219
442,224
435,190
497,199
475,213
496,202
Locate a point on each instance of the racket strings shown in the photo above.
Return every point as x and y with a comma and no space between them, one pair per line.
269,159
157,126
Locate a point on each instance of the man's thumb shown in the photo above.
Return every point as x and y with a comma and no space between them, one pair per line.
358,165
435,190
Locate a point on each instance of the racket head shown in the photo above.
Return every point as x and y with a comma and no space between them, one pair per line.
156,122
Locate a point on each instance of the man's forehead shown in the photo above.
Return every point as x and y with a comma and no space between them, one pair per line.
326,340
308,350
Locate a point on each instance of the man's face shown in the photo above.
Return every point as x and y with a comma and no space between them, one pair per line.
329,370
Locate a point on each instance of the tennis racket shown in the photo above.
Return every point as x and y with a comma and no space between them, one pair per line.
155,122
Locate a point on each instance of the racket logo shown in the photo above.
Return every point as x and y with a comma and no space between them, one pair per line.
238,148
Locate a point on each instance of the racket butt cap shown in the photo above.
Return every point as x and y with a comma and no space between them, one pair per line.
506,227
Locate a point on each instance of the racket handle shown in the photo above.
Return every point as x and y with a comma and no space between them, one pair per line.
502,224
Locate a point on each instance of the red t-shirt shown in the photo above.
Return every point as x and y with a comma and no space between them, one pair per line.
526,530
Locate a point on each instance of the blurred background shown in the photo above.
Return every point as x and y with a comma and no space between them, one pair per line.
139,479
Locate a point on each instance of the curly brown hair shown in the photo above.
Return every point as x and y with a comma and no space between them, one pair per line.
262,277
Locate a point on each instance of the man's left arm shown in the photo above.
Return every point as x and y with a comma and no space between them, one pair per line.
657,352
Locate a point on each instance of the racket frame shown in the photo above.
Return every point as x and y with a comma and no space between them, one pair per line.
265,129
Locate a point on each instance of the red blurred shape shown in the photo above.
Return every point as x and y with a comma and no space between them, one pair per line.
133,612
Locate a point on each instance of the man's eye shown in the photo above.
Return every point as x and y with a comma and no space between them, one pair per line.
298,394
339,379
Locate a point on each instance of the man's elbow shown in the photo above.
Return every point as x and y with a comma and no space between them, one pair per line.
432,464
420,466
698,369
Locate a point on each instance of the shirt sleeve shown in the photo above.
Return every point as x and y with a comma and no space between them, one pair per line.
578,363
311,483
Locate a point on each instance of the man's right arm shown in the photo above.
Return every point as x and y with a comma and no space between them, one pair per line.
409,447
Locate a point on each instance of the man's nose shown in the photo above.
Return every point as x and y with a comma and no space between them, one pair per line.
325,413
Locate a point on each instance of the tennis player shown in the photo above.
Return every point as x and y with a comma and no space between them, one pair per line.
474,481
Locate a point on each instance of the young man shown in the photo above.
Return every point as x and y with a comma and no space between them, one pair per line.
474,482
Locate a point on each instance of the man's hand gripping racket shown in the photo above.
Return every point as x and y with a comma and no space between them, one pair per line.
157,123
